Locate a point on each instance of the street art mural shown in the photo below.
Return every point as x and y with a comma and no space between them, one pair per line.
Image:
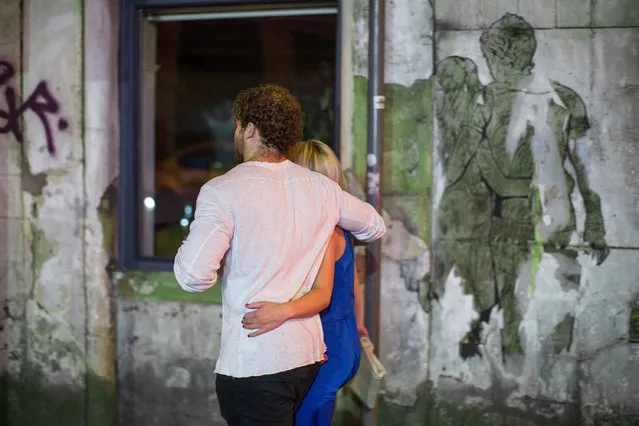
514,155
40,102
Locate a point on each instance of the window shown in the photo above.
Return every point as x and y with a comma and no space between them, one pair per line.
180,70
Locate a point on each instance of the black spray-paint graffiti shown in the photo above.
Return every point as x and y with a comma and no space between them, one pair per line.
40,102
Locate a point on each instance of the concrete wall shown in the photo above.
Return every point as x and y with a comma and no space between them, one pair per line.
509,267
167,354
525,304
535,231
57,155
406,183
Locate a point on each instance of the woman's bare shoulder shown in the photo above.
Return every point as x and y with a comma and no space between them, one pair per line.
338,233
338,241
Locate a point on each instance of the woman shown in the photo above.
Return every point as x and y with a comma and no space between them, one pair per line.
335,295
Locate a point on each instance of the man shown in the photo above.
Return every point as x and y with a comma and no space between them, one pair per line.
270,220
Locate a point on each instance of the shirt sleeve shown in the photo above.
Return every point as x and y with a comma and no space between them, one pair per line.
198,259
360,218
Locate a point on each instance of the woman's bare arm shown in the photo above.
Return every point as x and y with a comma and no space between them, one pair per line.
268,315
359,306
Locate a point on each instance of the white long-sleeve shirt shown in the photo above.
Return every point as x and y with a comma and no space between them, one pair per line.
273,221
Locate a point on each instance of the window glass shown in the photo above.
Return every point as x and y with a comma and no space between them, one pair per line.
191,72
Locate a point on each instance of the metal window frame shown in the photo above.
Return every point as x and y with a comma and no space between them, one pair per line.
129,255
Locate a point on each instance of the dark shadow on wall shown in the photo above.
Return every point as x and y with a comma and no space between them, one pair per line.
447,407
30,401
152,394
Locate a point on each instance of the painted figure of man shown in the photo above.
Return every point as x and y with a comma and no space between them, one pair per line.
519,144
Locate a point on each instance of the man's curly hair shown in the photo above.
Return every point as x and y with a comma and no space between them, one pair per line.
275,112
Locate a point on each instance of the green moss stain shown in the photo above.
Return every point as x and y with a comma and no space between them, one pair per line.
633,321
56,405
101,401
407,157
163,286
360,91
407,139
537,249
42,249
45,348
30,400
406,167
407,160
418,211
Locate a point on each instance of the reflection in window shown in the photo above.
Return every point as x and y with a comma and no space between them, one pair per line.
192,71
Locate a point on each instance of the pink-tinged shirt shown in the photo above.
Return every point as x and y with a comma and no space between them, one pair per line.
273,221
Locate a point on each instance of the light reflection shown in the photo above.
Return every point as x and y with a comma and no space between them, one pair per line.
149,203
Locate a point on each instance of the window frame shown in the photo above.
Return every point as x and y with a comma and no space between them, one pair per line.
129,257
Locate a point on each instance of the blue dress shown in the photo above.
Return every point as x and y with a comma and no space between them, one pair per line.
343,346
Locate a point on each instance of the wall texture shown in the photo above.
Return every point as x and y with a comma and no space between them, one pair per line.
510,184
56,143
527,271
167,354
534,253
406,183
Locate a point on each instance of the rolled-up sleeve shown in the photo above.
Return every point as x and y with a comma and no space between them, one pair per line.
198,259
360,219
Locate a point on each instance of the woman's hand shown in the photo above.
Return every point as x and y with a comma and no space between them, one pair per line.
267,317
362,331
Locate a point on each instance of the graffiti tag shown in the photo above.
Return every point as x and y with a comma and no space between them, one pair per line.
41,102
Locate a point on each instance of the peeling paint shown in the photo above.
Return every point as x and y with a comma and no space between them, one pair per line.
32,183
107,214
42,248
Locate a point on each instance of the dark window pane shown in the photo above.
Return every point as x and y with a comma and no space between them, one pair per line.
192,71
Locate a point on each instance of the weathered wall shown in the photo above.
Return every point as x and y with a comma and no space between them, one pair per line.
533,203
406,189
55,139
100,173
535,225
510,263
167,354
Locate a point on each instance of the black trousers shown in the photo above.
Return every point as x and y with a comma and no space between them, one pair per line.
269,400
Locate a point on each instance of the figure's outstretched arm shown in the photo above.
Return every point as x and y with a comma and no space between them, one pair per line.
576,136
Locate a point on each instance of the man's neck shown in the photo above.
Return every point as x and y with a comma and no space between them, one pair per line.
266,157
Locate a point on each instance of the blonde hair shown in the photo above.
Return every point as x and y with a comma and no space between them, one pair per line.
319,157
